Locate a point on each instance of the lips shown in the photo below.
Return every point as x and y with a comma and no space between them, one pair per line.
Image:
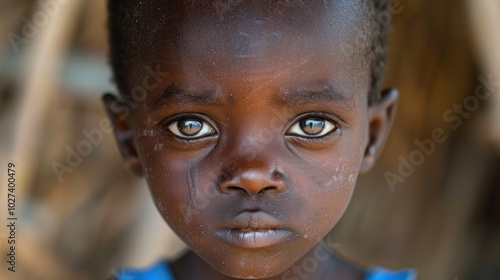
253,230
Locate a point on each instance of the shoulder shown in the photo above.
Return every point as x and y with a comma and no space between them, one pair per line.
378,273
350,270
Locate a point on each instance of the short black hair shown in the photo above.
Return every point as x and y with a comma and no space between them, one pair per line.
120,16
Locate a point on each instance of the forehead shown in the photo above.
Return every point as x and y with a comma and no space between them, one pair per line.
252,38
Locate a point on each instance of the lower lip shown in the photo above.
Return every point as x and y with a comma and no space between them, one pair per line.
254,239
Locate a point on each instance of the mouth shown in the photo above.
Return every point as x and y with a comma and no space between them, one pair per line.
254,230
254,238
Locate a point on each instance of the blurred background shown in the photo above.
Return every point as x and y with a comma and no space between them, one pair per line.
434,206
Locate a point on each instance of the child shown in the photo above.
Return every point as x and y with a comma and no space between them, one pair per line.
250,121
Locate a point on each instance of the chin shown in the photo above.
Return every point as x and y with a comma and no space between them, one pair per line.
253,265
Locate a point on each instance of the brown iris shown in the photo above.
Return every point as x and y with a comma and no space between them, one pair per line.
189,127
312,126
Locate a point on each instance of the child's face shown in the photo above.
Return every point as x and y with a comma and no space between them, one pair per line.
252,143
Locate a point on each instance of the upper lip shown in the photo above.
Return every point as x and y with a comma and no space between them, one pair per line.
253,221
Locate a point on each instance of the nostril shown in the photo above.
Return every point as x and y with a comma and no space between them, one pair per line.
237,189
252,182
221,178
261,192
245,191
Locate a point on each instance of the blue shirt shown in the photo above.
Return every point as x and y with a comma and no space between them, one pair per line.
161,271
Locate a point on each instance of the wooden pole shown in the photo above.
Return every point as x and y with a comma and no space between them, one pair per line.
485,20
48,36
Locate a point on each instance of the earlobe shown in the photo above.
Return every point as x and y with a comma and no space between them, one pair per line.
380,116
118,112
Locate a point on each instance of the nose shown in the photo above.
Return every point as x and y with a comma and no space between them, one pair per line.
253,182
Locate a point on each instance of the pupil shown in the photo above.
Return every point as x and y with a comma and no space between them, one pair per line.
190,127
312,126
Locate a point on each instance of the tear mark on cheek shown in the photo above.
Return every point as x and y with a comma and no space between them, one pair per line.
192,177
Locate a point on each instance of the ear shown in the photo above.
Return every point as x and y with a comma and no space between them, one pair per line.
119,114
380,116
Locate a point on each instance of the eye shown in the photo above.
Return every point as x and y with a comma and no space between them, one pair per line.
312,127
191,128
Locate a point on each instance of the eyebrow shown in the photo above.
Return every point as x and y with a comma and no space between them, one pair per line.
325,93
173,92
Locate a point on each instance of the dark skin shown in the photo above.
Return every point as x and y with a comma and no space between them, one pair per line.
252,140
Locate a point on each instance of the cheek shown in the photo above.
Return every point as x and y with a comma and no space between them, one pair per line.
328,181
327,198
167,175
168,186
181,185
333,170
